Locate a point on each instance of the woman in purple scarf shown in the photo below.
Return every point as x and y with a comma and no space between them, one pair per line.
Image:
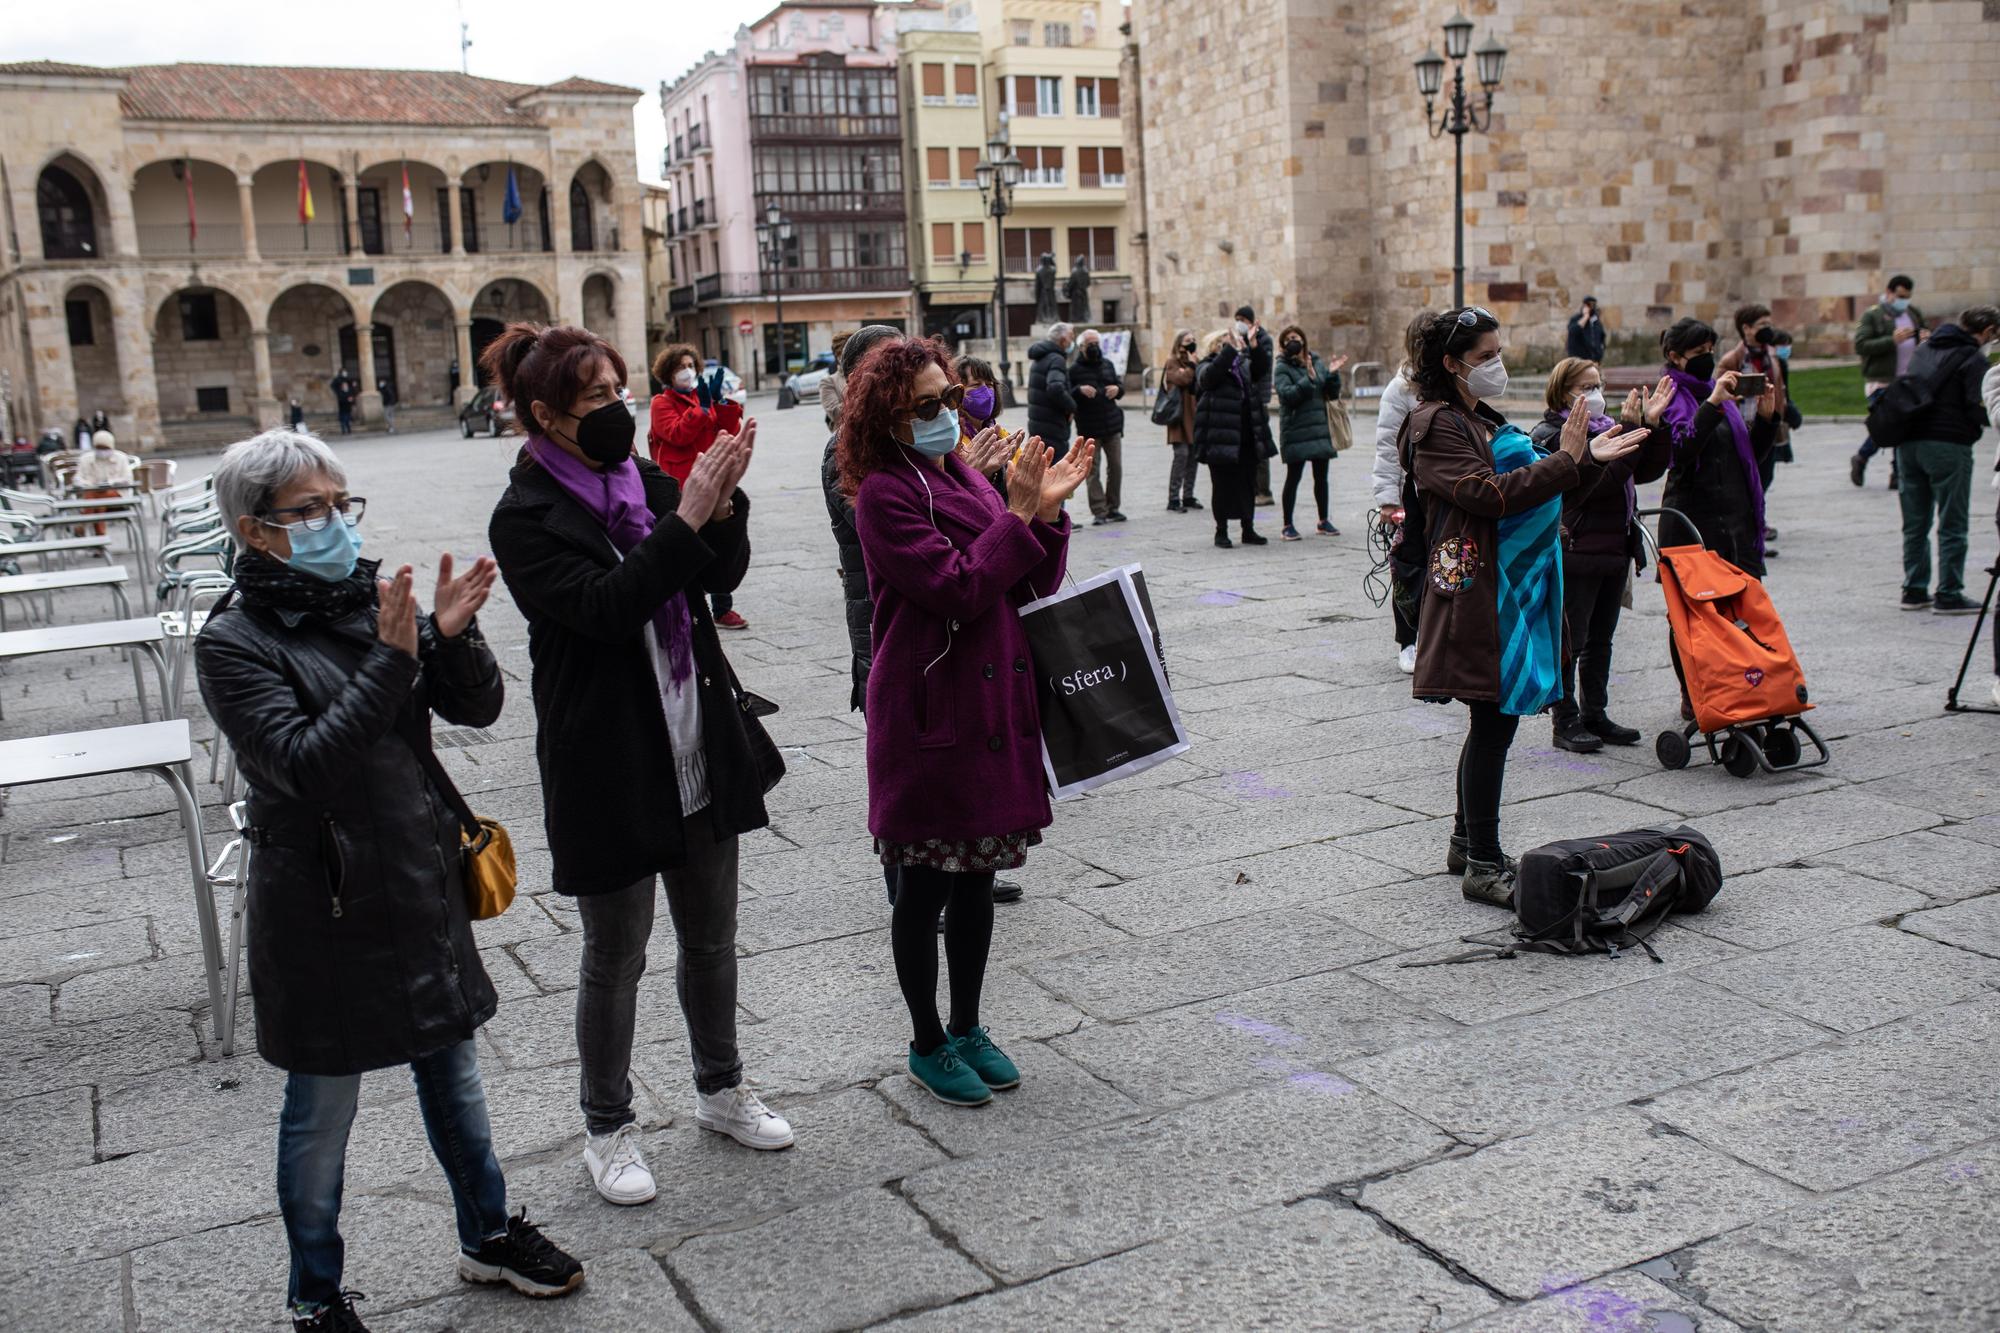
648,770
1713,476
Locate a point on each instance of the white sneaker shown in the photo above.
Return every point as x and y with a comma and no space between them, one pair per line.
617,1168
742,1115
1406,661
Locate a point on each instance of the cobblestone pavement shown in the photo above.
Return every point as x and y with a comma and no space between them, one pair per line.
1238,1108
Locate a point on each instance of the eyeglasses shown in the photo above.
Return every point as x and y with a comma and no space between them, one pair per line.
315,516
1472,314
926,409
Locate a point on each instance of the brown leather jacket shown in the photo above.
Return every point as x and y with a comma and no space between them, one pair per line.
1448,451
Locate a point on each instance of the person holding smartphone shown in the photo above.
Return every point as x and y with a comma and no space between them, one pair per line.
1713,476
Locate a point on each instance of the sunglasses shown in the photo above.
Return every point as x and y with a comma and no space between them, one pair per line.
926,409
1472,314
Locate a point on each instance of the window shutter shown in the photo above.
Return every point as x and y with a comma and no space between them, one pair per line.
965,80
1114,161
968,163
975,240
937,164
1024,95
933,80
1107,97
941,251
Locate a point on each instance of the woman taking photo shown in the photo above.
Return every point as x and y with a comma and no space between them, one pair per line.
1490,631
1228,438
647,763
1713,477
955,784
1178,373
1305,386
689,414
324,679
1603,543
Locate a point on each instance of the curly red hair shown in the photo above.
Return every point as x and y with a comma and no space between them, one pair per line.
878,400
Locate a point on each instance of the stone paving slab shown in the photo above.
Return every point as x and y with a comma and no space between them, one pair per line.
1238,1109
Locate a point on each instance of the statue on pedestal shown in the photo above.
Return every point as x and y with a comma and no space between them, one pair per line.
1077,290
1045,290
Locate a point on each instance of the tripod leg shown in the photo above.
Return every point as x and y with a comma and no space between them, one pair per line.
1951,703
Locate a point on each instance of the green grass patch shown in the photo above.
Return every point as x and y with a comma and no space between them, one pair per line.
1828,391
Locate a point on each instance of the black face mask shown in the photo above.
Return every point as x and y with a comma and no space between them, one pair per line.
1294,349
1767,335
1701,367
605,434
1092,352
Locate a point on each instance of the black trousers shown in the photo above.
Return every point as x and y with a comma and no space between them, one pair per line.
1293,471
1592,603
967,903
1482,768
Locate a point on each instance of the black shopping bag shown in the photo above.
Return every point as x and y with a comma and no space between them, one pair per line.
1101,681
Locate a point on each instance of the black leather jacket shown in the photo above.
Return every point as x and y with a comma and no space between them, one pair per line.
361,953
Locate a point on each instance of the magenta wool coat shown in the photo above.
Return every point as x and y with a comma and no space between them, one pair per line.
954,733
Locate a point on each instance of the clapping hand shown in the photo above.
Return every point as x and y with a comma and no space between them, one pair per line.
1024,479
1333,366
1617,442
458,599
705,495
987,450
396,613
1087,390
1060,481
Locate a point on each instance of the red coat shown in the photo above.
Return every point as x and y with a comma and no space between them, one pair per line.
682,429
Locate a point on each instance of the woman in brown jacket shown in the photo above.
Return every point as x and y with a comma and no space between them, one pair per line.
1178,373
1490,629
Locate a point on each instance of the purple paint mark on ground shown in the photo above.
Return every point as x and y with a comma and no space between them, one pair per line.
1957,1171
1848,1124
1248,786
1268,1033
1220,597
1108,534
1312,1080
1602,1309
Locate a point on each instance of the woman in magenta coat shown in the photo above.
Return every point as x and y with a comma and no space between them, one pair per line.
955,784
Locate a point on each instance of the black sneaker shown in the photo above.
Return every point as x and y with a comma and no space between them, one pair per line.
1573,735
1856,467
1250,538
1098,520
1006,891
1192,503
1916,599
1954,604
1174,507
524,1259
1115,517
1610,732
338,1317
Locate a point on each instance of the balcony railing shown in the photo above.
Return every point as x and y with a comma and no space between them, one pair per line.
681,216
681,298
680,147
708,287
698,140
311,238
808,281
701,217
499,238
167,240
825,127
1091,180
802,206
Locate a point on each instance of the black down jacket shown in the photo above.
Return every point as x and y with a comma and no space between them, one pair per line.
1050,402
1098,414
609,798
1227,421
853,576
361,954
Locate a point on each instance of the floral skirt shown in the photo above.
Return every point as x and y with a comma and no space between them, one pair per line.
960,856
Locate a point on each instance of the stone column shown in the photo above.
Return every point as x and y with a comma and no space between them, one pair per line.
55,405
351,188
454,225
264,407
368,406
248,209
132,332
467,379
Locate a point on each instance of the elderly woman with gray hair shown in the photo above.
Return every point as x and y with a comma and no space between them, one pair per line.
324,677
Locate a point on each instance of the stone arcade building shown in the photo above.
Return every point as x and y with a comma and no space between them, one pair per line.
154,263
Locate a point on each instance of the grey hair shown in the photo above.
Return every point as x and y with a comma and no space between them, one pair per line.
1090,333
253,471
1057,332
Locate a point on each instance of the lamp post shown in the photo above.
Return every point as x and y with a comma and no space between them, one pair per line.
772,234
997,176
1460,117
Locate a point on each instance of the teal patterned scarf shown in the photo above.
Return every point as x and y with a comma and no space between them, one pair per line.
1530,591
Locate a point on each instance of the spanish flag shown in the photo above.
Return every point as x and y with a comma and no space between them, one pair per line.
305,195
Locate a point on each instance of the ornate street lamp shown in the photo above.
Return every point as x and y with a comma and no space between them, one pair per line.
1460,117
772,235
996,177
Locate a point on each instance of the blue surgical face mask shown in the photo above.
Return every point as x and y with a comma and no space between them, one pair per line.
938,436
1899,304
1784,352
327,554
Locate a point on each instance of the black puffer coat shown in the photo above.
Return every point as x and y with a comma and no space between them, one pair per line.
609,798
1099,414
361,954
1709,483
1050,402
1227,421
853,576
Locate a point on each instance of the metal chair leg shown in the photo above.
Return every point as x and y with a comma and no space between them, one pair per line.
139,683
169,702
181,780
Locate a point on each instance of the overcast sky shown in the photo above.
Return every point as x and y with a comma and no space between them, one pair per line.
622,41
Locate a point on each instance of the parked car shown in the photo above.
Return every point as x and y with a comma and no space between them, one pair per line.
485,414
731,382
806,383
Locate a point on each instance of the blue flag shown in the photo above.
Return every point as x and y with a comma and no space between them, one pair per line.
510,208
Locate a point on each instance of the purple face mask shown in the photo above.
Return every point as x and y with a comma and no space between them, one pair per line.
979,402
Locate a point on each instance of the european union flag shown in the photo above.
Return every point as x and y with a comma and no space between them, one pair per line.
510,208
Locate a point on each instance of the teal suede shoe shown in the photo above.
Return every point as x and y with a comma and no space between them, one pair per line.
988,1061
948,1078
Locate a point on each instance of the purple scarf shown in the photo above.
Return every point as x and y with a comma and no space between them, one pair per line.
1690,393
616,498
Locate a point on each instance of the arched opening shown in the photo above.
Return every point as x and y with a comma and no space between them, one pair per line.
306,326
393,223
503,208
93,350
278,203
202,363
600,314
422,341
500,303
186,206
67,198
590,226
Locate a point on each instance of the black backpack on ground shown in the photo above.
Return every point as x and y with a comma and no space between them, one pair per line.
1897,409
1604,895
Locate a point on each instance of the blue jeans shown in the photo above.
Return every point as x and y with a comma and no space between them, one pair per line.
720,604
312,1158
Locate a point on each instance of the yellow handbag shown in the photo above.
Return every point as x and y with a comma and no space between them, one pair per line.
485,852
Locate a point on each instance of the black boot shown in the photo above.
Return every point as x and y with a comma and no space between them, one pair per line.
1573,735
1250,537
1610,732
1222,536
